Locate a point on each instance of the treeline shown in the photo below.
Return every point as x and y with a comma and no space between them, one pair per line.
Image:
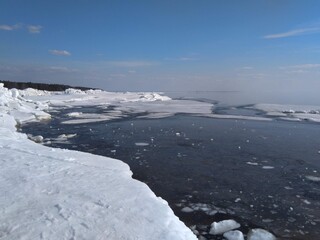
39,86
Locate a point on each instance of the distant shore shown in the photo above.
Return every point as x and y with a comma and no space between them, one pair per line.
40,86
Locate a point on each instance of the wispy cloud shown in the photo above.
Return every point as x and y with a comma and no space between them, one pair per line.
182,59
34,28
29,28
6,27
302,68
246,68
59,52
292,33
61,69
131,64
187,59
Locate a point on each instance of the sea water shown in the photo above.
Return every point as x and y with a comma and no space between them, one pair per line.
262,174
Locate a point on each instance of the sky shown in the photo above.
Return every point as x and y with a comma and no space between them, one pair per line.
167,45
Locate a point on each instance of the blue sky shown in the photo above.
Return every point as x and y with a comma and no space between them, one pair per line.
162,45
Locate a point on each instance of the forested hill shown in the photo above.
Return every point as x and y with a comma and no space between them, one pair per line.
39,86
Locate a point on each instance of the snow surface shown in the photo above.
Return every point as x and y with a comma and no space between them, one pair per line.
51,193
291,112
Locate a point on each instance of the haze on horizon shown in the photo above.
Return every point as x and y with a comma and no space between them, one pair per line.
145,45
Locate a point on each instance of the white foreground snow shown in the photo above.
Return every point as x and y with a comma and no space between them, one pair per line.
54,194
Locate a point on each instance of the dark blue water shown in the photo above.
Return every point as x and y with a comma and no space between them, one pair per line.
255,172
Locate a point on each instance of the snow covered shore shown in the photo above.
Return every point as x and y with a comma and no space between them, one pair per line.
51,193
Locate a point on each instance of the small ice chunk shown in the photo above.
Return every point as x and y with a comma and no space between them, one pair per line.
268,167
267,220
37,139
223,226
212,212
186,210
233,235
67,135
306,201
141,144
178,134
313,178
237,200
260,234
252,163
74,114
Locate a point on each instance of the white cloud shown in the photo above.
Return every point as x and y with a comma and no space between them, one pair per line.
61,69
60,52
9,27
131,64
295,32
34,28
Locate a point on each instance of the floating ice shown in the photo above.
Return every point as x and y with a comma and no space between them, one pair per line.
74,114
66,136
223,226
187,210
233,235
252,163
313,178
260,234
141,144
267,167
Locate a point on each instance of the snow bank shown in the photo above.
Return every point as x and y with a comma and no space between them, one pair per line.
51,193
